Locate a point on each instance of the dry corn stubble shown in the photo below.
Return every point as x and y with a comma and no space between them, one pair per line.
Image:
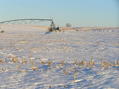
1,61
15,59
24,61
105,64
34,68
50,63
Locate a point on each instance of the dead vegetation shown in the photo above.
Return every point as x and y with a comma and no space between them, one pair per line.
60,65
2,31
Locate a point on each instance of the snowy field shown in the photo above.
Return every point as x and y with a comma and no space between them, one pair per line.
31,58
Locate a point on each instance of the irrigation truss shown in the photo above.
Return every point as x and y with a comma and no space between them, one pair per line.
28,21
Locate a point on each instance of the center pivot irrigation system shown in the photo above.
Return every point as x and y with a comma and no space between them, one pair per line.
26,21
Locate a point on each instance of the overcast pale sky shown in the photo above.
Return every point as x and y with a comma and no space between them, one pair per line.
76,12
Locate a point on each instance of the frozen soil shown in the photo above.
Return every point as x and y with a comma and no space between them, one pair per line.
54,55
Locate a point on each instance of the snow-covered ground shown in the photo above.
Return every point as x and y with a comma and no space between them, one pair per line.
50,58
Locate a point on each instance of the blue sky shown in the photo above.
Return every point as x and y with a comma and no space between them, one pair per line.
76,12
